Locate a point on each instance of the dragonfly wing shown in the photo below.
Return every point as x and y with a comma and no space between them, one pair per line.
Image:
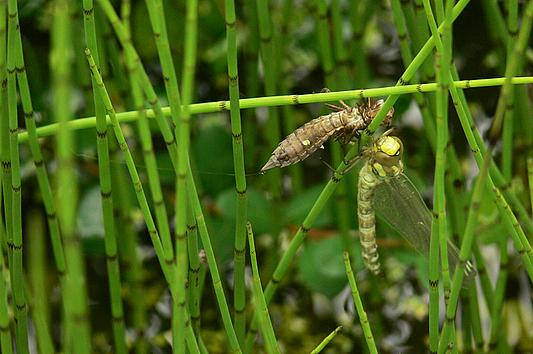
399,203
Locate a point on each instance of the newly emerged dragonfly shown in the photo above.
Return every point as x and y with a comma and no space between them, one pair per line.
385,189
344,124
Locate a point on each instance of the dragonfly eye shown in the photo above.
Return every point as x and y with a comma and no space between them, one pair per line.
389,146
387,153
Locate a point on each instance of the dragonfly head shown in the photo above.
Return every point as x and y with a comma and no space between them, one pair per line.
386,156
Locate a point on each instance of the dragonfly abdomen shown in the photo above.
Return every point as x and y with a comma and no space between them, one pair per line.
305,140
367,220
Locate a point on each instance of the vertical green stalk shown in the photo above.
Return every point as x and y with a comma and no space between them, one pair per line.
141,198
195,295
499,296
159,29
5,332
250,52
530,178
365,325
476,144
327,61
438,226
213,267
137,71
189,66
38,283
496,27
259,299
168,269
271,76
360,12
239,288
42,175
6,344
129,242
516,45
419,27
477,331
342,81
288,256
78,329
130,258
466,246
287,111
15,244
507,103
181,122
399,16
104,170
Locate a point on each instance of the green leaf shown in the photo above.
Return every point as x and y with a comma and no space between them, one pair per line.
321,266
259,213
213,158
299,206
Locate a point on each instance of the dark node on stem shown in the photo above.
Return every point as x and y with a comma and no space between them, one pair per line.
222,106
295,99
111,257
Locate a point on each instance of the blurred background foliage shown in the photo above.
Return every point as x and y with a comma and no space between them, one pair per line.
397,312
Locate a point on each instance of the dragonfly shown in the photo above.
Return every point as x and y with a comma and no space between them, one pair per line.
344,123
385,189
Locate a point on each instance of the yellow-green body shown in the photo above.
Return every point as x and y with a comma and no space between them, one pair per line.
384,162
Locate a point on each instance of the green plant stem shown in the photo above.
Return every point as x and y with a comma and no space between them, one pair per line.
168,269
239,257
327,61
15,241
508,91
194,273
250,52
181,121
326,341
264,318
464,255
38,282
110,237
475,143
152,170
245,103
213,268
138,73
42,174
496,26
300,235
287,112
141,198
130,258
267,58
363,319
499,296
77,329
360,13
516,46
5,334
439,223
6,340
530,178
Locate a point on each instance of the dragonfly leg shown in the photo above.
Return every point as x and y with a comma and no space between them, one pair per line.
334,107
344,105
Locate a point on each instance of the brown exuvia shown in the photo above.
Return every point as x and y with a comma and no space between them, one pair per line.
344,124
